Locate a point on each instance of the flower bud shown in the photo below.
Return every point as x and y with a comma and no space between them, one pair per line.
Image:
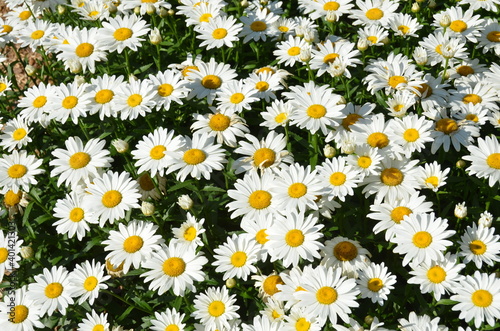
30,70
460,210
120,145
329,151
420,55
460,164
112,8
385,41
244,3
362,44
185,202
74,66
163,12
445,20
368,319
27,252
137,10
150,9
147,208
61,9
415,8
432,4
171,12
155,37
485,219
79,80
230,283
305,54
114,271
331,16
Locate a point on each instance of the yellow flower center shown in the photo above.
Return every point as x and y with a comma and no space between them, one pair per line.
302,324
297,190
477,247
269,284
211,82
3,87
174,266
194,156
17,171
104,96
316,111
374,14
190,233
146,183
216,308
20,314
398,213
219,122
472,117
465,70
281,117
187,69
11,199
165,90
37,34
259,199
364,162
294,51
53,290
134,100
262,86
7,28
397,108
219,33
19,134
264,157
482,298
4,254
446,125
236,98
24,15
337,178
94,13
350,120
258,26
422,239
345,251
329,58
331,5
132,244
90,283
404,29
157,152
391,176
458,26
438,49
436,274
275,314
433,180
411,135
205,17
79,160
472,98
172,327
372,39
283,29
261,236
70,102
394,81
122,34
84,50
493,36
265,70
294,238
375,284
493,160
76,214
238,259
378,139
326,295
111,198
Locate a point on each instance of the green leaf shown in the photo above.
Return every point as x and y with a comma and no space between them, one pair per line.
446,302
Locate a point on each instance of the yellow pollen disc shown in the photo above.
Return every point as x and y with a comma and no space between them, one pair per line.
458,26
259,199
302,324
84,50
264,157
398,213
297,190
149,1
134,100
190,233
104,96
378,139
194,156
111,198
493,36
265,69
219,122
238,259
7,28
275,314
425,90
19,134
446,125
262,86
24,15
326,295
11,199
394,81
337,178
205,17
79,160
294,51
281,117
374,14
132,244
465,70
94,13
112,268
375,284
329,58
438,49
283,29
316,111
300,288
90,283
216,308
17,171
397,108
53,290
482,298
391,177
472,117
187,69
345,251
165,90
364,162
211,82
146,183
411,135
76,214
493,160
433,180
174,266
258,26
269,284
236,98
350,120
404,29
122,34
331,5
157,152
436,274
472,98
20,314
3,87
372,39
172,327
294,238
219,33
37,34
261,236
4,254
70,102
422,239
477,247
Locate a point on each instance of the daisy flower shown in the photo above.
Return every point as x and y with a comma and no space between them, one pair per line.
169,87
326,53
236,96
431,176
448,131
299,319
17,171
144,6
473,90
268,285
422,238
10,246
236,257
490,36
36,33
338,178
78,162
175,267
133,244
485,158
4,85
203,12
376,282
86,280
433,94
442,47
92,11
256,229
346,254
215,308
15,134
351,115
19,312
289,51
410,132
122,32
440,277
374,12
277,114
93,321
262,323
466,68
71,100
290,281
323,8
36,103
50,290
400,102
103,90
157,151
218,32
417,323
294,238
328,294
265,84
365,160
374,35
170,319
257,25
189,232
135,98
479,244
478,299
111,195
404,25
475,113
462,24
73,216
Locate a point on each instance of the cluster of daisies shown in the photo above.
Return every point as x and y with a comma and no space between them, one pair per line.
437,100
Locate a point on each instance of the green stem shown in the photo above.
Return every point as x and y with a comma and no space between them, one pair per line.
444,70
84,129
127,62
126,302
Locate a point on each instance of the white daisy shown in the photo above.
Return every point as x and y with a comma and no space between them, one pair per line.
15,134
86,280
71,100
236,257
19,312
36,103
18,170
346,254
431,176
218,32
170,318
485,158
122,32
257,25
479,244
169,87
338,178
411,132
215,308
277,114
376,282
93,322
189,232
135,98
103,89
74,215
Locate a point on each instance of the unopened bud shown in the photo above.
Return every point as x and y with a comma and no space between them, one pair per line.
368,319
348,148
385,41
137,10
150,9
420,55
112,8
61,9
27,252
120,145
244,3
230,283
331,16
329,151
460,164
147,208
163,12
415,8
485,219
155,37
460,210
305,54
445,20
362,44
432,4
185,202
30,70
171,12
79,80
342,100
74,66
114,271
309,35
